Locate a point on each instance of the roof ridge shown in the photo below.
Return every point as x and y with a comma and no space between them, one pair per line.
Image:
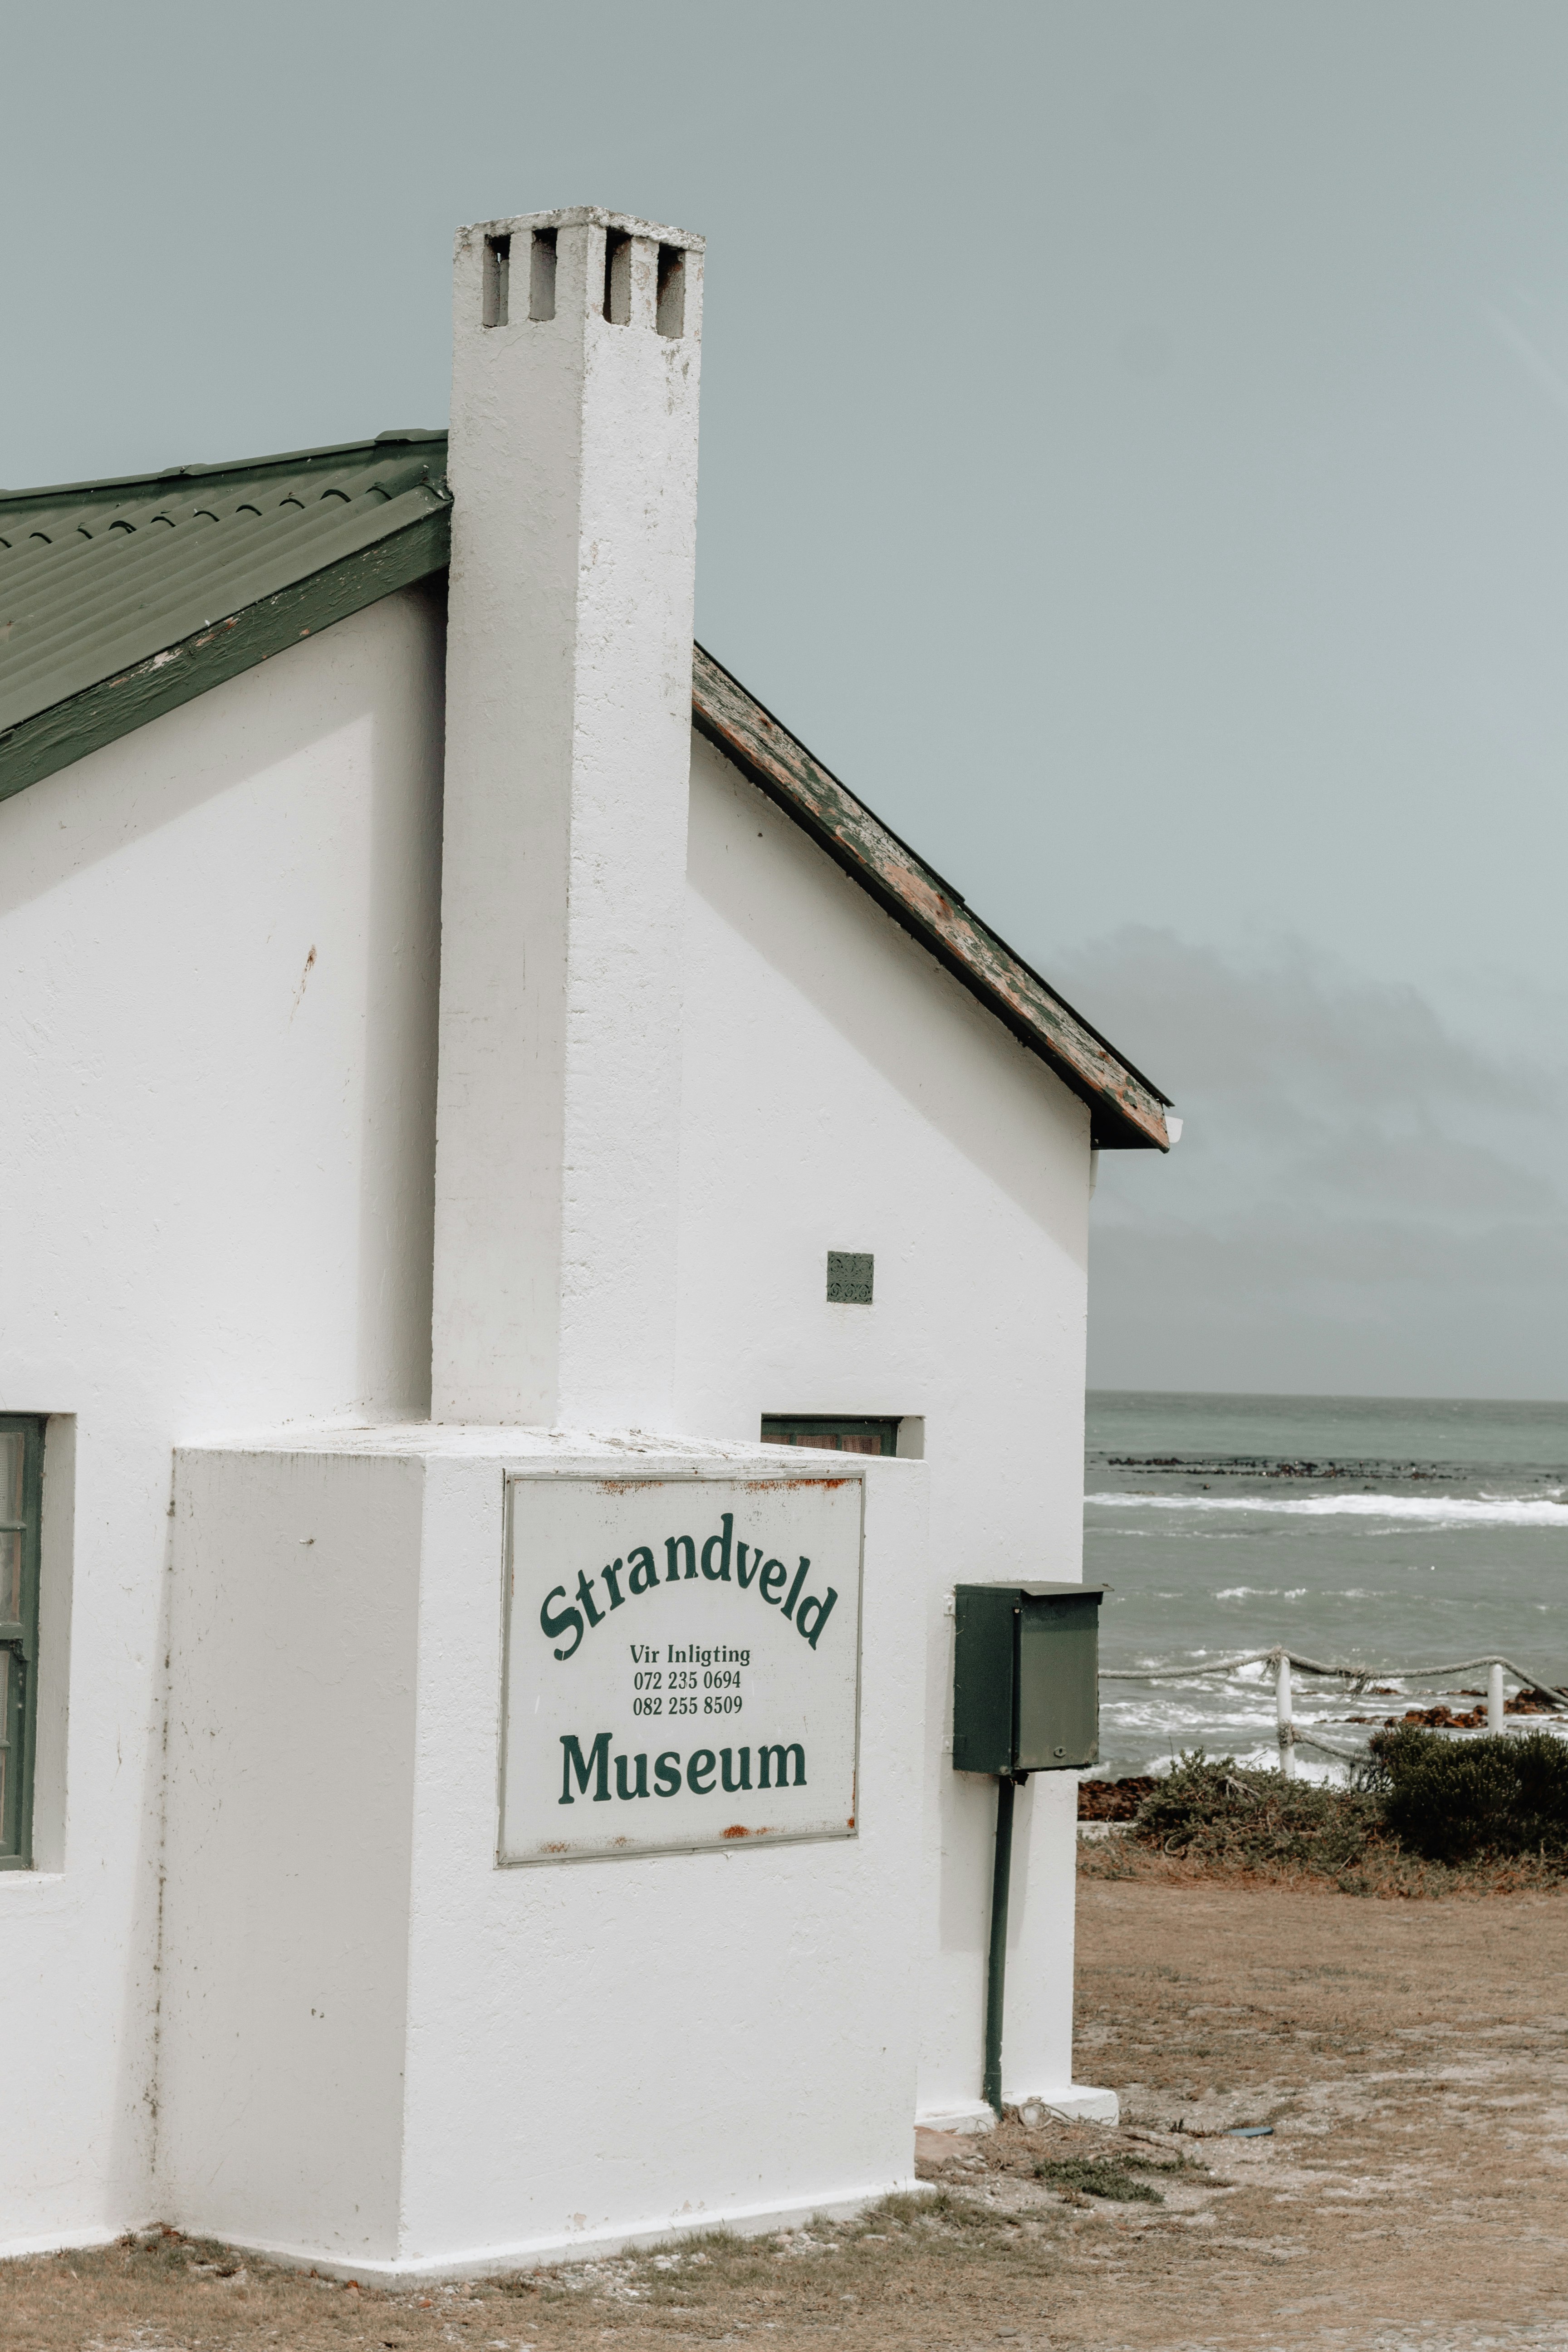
240,466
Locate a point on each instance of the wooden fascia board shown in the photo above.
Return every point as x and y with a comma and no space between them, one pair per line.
1128,1113
100,714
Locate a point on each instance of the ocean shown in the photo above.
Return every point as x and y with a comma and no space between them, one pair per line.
1381,1531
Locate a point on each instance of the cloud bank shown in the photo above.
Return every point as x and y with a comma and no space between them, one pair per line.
1362,1202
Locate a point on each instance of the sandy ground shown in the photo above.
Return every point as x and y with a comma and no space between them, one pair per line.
1411,2057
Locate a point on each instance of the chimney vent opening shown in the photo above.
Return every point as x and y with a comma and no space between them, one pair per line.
670,316
617,278
497,298
541,275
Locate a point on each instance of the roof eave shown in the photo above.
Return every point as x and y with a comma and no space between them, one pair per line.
54,738
1127,1114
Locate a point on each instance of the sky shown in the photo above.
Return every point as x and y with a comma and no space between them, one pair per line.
1134,457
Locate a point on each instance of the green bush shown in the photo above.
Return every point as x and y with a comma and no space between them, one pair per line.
1486,1808
1214,1811
1457,1800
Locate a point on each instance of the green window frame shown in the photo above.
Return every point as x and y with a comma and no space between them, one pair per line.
21,1515
839,1432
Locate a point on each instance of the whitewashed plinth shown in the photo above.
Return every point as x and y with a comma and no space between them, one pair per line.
385,2053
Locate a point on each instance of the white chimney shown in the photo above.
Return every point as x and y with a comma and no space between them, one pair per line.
574,472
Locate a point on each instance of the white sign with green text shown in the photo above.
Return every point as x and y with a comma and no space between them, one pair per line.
682,1664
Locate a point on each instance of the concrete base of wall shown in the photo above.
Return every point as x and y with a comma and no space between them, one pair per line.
62,2241
1080,2103
968,2116
494,2262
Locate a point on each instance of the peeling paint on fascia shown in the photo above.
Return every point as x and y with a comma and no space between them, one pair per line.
918,898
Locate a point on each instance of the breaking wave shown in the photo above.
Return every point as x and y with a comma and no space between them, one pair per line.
1422,1510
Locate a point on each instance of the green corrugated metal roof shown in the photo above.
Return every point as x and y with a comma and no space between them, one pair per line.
120,600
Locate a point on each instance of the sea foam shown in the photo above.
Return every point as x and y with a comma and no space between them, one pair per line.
1425,1510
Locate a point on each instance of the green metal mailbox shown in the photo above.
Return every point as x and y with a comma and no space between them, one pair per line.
1026,1698
1026,1684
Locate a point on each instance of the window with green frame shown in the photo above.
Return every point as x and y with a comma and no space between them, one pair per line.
21,1504
838,1432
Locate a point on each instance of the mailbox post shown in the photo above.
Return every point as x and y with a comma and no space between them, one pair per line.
1026,1698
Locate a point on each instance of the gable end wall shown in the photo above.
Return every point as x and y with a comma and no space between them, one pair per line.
842,1091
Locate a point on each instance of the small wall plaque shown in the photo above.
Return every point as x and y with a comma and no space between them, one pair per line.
849,1278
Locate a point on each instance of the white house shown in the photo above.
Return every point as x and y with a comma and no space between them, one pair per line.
474,1086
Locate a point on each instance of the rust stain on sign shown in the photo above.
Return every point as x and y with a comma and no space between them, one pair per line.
1128,1112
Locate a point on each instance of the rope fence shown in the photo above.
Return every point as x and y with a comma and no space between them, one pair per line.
1283,1661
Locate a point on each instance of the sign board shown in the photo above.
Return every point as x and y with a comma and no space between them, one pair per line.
682,1664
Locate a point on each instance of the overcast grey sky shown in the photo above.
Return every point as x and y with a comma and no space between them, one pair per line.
1135,455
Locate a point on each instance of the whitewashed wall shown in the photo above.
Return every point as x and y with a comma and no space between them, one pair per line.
843,1092
218,1161
218,990
440,2065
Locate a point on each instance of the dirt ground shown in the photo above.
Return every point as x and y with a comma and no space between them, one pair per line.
1412,2059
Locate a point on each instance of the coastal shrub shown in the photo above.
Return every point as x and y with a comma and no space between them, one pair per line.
1456,1801
1214,1811
1097,2176
1424,1816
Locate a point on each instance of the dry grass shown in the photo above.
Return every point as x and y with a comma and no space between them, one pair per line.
856,2283
1414,2192
1382,1869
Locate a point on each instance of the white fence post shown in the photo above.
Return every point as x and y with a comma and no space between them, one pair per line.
1282,1716
1359,1678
